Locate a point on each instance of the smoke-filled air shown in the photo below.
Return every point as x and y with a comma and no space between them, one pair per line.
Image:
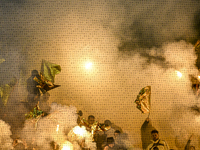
131,64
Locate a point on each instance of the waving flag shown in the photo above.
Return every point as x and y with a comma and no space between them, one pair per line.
47,76
6,89
49,70
143,100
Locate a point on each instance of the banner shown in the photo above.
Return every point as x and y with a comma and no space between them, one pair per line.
143,100
49,70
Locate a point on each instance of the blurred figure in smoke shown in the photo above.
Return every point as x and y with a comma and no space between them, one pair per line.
120,139
110,131
80,114
44,81
188,146
97,130
92,126
88,123
116,133
91,120
157,143
35,93
112,125
32,88
111,144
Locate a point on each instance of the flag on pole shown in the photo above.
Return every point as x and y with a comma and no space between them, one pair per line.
47,76
143,100
49,70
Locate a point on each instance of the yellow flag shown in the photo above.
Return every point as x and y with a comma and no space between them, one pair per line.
143,100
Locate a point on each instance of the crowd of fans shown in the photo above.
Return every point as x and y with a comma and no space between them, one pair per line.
113,138
106,135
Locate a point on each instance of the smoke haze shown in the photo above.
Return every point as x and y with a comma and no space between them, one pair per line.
131,44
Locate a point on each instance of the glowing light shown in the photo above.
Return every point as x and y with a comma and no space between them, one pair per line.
179,74
88,65
67,146
79,131
199,77
57,128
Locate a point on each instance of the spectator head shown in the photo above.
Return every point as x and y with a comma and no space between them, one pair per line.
110,141
34,73
107,123
155,135
91,119
116,133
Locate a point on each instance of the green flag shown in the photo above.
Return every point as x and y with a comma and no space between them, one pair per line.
47,76
49,70
6,89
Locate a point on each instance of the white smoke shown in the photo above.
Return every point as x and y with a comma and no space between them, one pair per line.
52,128
78,135
59,31
185,122
5,133
168,89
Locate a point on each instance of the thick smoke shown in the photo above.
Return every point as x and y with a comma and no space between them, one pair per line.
52,128
131,44
152,23
185,122
81,134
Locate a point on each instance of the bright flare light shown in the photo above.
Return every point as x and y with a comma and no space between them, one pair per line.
67,146
57,129
88,65
79,131
179,74
199,77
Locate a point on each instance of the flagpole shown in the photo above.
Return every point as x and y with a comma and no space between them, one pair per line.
148,115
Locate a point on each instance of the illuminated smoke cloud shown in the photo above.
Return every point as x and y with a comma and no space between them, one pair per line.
78,134
52,128
136,43
168,89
